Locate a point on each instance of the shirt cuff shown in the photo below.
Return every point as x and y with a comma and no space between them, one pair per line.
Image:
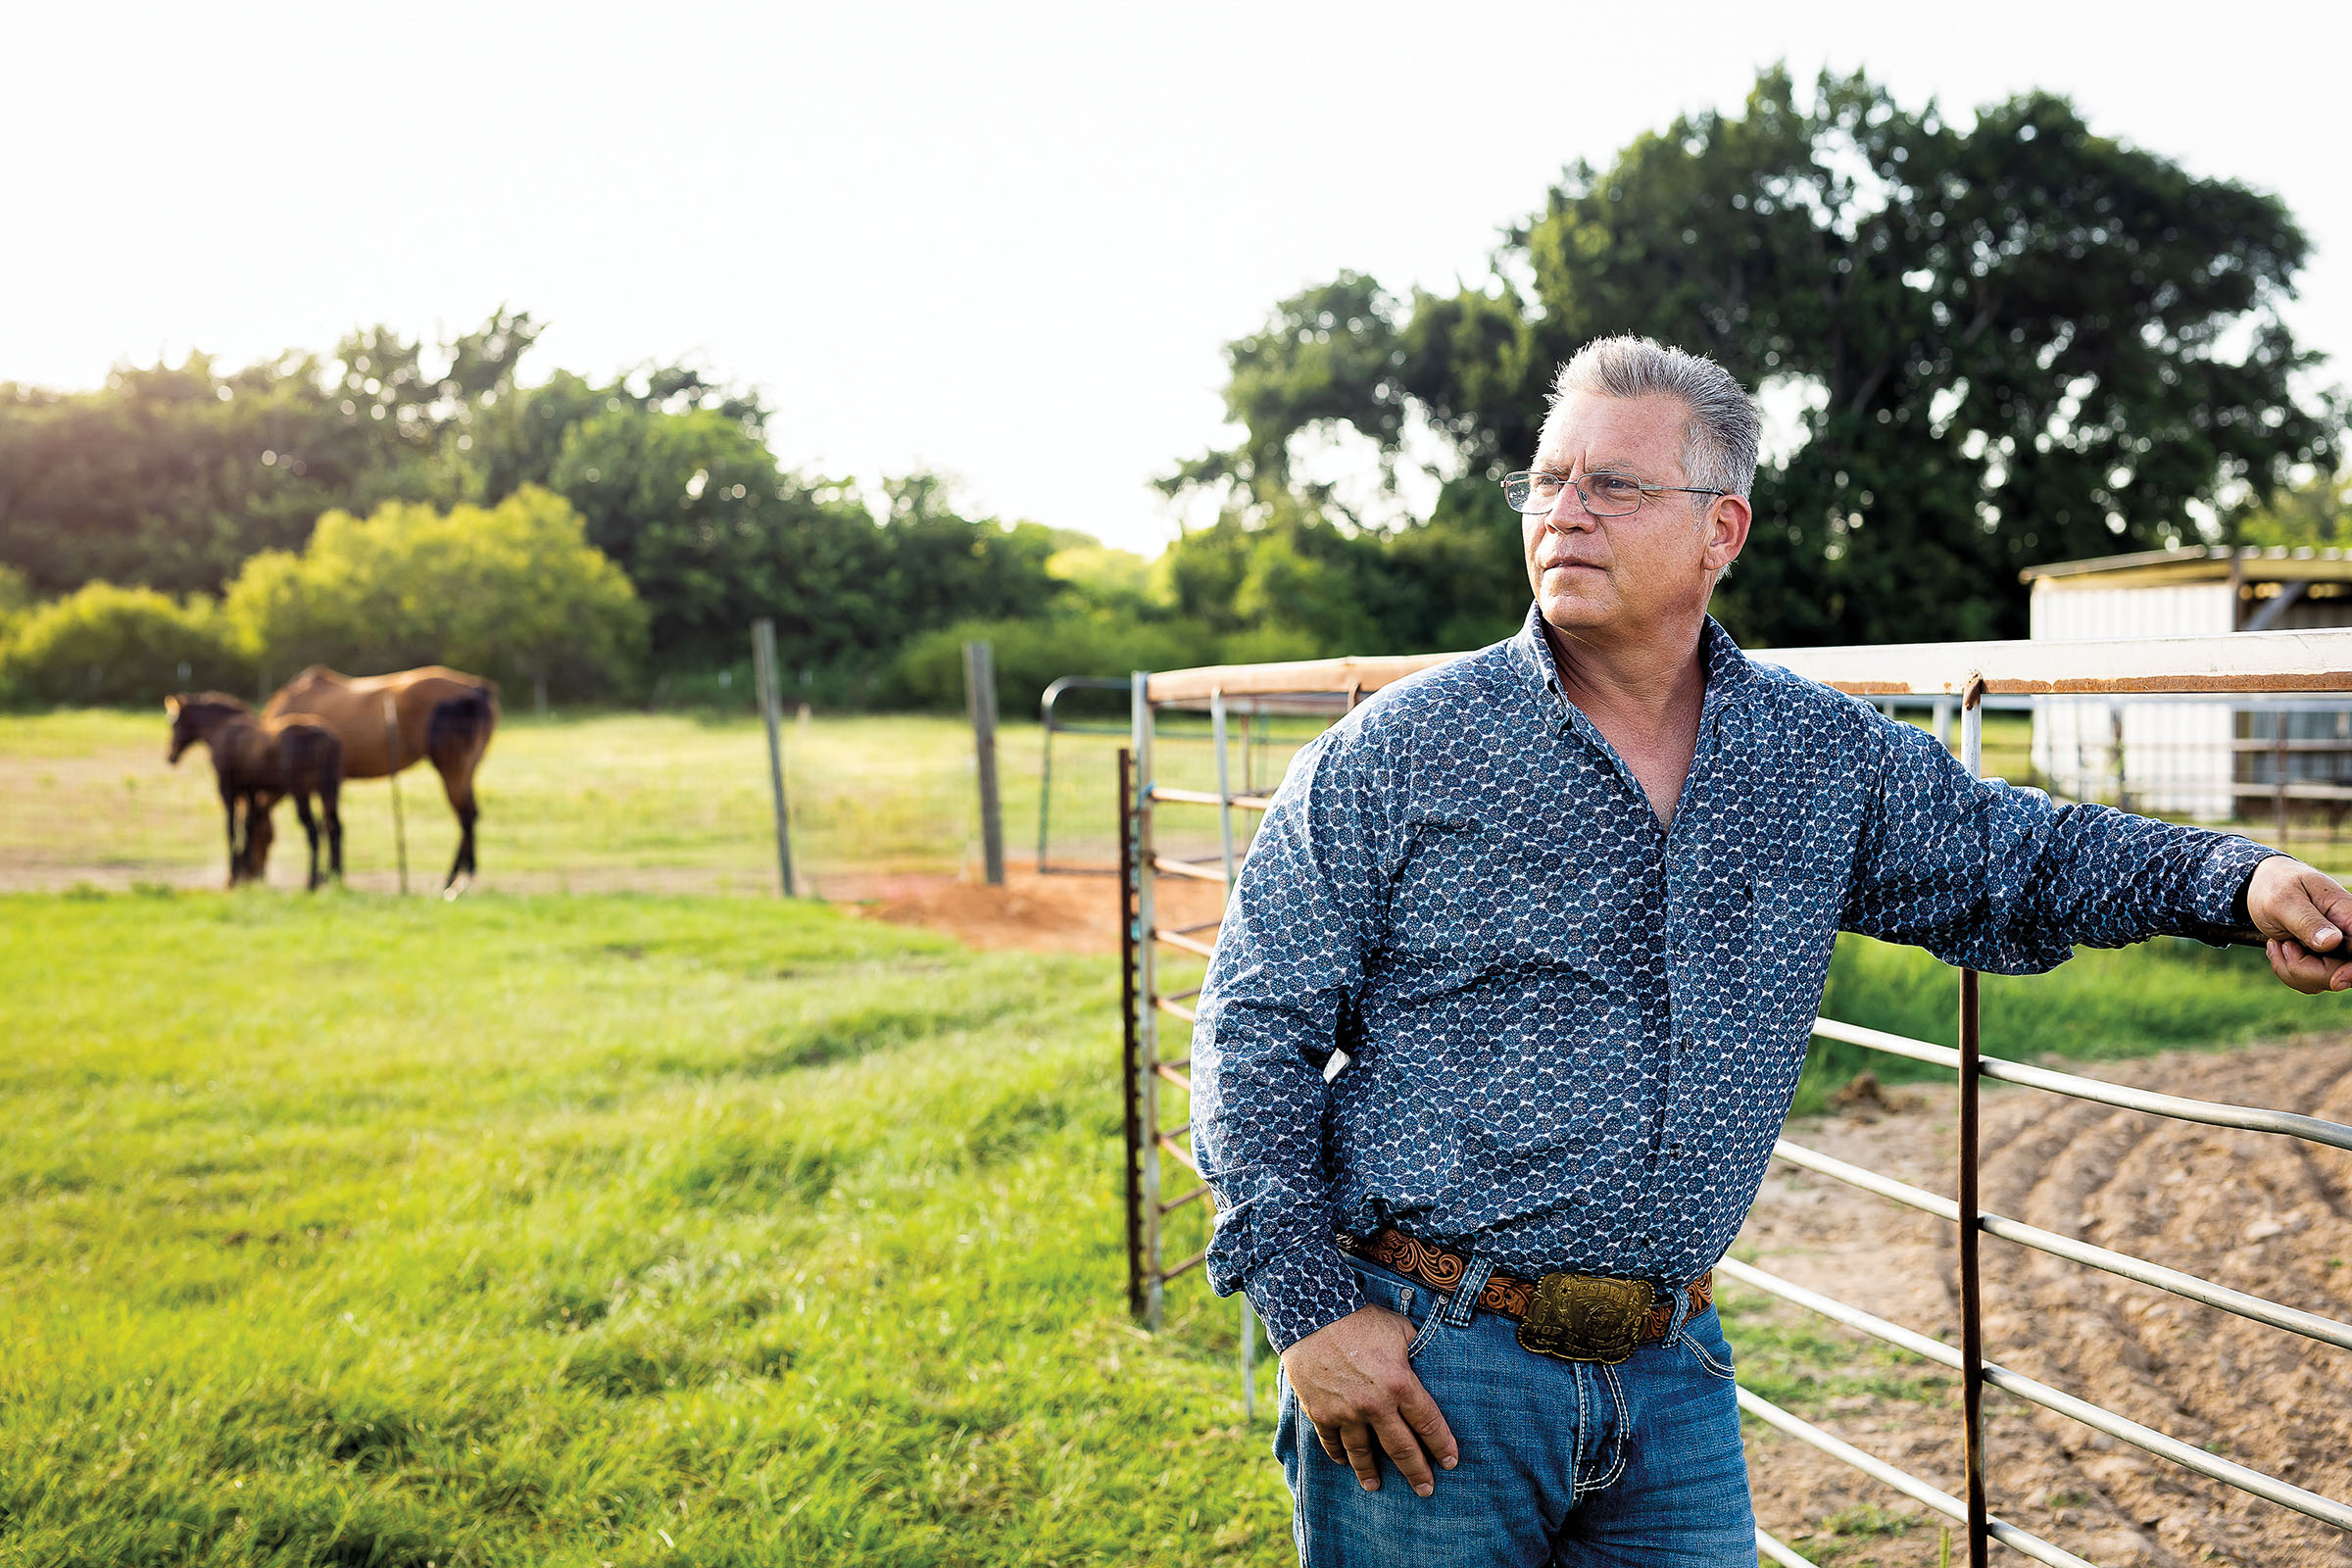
2214,893
1302,1290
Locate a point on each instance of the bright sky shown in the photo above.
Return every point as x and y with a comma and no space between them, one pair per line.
1007,241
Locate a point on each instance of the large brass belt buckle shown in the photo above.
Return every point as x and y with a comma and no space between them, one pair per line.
1575,1318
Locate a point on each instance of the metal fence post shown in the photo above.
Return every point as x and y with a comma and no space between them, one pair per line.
392,766
1130,941
771,709
1972,1311
980,700
1146,988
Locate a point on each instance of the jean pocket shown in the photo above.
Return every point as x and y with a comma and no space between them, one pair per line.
1427,1329
1720,1366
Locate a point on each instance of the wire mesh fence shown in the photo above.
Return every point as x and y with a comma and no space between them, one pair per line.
593,802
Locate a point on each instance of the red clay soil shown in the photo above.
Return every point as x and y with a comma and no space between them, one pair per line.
2264,1214
1059,914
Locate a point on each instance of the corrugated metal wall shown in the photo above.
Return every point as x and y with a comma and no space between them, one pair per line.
2175,757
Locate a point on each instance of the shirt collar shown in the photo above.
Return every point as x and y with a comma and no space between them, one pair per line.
1730,672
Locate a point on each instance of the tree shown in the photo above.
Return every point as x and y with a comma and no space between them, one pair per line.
2316,513
694,507
173,476
178,478
515,592
945,567
2002,344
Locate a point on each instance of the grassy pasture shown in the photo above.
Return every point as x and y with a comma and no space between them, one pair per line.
598,802
589,1229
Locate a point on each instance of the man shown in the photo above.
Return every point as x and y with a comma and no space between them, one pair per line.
1517,979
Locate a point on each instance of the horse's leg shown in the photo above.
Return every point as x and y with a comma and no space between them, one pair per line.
259,834
330,806
237,853
457,782
457,735
309,828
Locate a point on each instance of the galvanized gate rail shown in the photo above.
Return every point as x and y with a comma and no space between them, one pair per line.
2241,662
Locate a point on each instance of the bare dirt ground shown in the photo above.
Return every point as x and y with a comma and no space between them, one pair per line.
1058,913
2260,1213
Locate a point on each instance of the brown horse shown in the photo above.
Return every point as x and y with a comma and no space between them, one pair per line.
256,761
388,721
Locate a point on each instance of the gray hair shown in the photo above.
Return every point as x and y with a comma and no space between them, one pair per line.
1719,438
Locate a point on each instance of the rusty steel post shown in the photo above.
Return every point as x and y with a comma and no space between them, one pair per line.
1129,1054
1146,999
393,764
1972,1305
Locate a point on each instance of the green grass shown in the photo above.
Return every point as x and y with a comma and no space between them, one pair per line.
589,1230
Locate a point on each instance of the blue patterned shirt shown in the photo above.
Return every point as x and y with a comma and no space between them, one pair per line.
1574,1031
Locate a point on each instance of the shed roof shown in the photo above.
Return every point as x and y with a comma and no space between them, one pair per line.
2152,569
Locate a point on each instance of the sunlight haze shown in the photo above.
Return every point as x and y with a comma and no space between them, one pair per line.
1009,243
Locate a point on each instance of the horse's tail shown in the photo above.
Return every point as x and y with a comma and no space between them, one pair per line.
460,728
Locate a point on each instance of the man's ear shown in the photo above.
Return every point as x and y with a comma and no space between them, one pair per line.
1727,524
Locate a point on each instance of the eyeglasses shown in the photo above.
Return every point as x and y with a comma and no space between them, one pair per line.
1605,494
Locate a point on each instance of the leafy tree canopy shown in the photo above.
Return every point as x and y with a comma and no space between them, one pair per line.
2316,513
1992,346
175,479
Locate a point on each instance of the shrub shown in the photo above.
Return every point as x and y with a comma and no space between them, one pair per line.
513,591
105,643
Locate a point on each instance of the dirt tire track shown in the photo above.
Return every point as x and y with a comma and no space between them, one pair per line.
2257,1212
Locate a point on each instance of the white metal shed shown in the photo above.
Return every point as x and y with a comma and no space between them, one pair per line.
2206,759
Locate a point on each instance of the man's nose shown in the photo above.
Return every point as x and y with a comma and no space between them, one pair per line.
1568,512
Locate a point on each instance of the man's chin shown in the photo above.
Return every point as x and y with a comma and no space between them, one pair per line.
1577,611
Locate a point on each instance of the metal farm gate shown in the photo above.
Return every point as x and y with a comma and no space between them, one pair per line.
1966,673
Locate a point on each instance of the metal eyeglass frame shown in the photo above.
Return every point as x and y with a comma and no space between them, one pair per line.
1528,478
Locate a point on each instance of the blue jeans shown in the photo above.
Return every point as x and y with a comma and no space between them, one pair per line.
1561,1463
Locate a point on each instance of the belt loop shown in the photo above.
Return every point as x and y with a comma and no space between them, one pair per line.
1680,1315
1465,1295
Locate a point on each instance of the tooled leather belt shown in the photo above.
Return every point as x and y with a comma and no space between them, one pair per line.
1569,1317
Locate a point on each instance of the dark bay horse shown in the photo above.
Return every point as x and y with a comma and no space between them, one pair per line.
388,721
256,761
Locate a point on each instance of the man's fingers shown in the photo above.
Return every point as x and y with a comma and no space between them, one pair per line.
1362,1455
1330,1439
2288,899
2308,913
1422,1414
1405,1450
2331,909
2304,971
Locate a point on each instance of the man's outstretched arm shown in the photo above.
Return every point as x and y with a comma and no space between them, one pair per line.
2004,880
